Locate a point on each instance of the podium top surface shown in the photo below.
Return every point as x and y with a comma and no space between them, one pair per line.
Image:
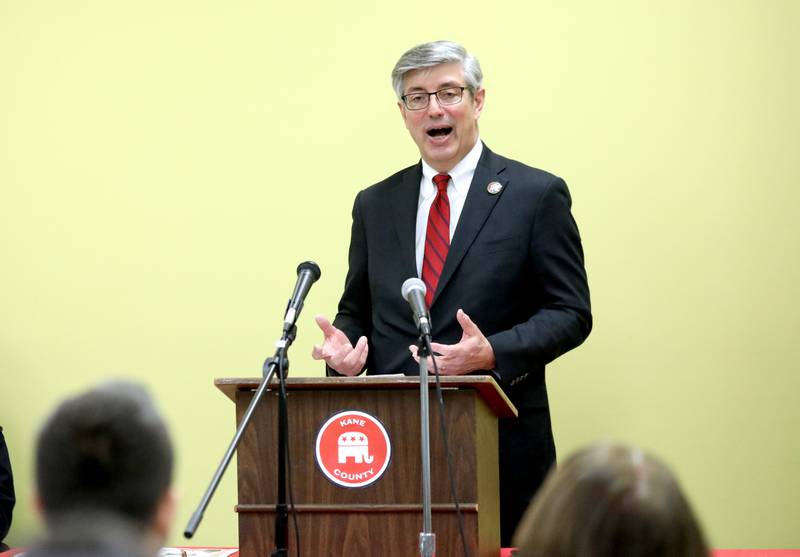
486,386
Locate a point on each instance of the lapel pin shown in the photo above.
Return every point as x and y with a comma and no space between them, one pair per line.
494,187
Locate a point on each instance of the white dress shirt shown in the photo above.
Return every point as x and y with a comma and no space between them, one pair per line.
460,179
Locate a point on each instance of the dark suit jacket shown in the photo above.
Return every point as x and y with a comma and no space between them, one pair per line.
7,498
515,266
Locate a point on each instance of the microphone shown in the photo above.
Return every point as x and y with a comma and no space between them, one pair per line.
413,291
307,274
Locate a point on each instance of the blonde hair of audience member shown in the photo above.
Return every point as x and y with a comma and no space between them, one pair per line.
610,500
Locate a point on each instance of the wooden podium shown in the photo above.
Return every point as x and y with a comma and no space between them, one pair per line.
383,518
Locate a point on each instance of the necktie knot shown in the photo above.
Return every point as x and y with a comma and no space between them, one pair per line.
441,181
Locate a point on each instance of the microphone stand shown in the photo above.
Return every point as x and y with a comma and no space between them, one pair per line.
279,360
427,539
281,510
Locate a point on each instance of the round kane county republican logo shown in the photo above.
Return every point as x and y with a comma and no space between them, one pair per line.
353,449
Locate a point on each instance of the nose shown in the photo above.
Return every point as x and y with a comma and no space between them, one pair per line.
434,108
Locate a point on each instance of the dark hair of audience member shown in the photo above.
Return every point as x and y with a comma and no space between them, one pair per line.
610,500
104,451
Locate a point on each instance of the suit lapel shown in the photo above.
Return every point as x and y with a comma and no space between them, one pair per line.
405,197
477,207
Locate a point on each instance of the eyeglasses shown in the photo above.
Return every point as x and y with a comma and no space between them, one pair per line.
448,95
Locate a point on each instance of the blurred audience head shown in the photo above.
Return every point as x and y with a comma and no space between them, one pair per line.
610,500
104,457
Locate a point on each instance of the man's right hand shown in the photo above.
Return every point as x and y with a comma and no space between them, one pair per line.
337,351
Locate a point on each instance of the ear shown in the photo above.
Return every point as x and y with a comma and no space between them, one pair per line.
477,101
165,513
38,507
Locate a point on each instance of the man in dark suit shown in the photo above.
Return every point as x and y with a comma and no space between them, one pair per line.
494,241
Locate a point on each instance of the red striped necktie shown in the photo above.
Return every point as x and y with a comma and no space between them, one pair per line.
437,237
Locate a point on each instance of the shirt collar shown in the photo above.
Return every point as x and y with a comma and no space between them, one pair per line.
460,175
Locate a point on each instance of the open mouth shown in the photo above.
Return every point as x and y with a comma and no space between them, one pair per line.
441,132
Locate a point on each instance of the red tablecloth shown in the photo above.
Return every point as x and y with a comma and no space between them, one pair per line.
507,552
727,553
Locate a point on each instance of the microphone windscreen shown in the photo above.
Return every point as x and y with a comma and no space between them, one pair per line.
310,266
412,284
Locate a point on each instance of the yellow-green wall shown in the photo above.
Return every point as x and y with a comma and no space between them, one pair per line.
164,166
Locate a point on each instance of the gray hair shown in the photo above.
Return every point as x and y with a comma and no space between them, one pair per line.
432,54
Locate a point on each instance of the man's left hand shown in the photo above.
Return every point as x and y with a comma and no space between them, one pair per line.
473,351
